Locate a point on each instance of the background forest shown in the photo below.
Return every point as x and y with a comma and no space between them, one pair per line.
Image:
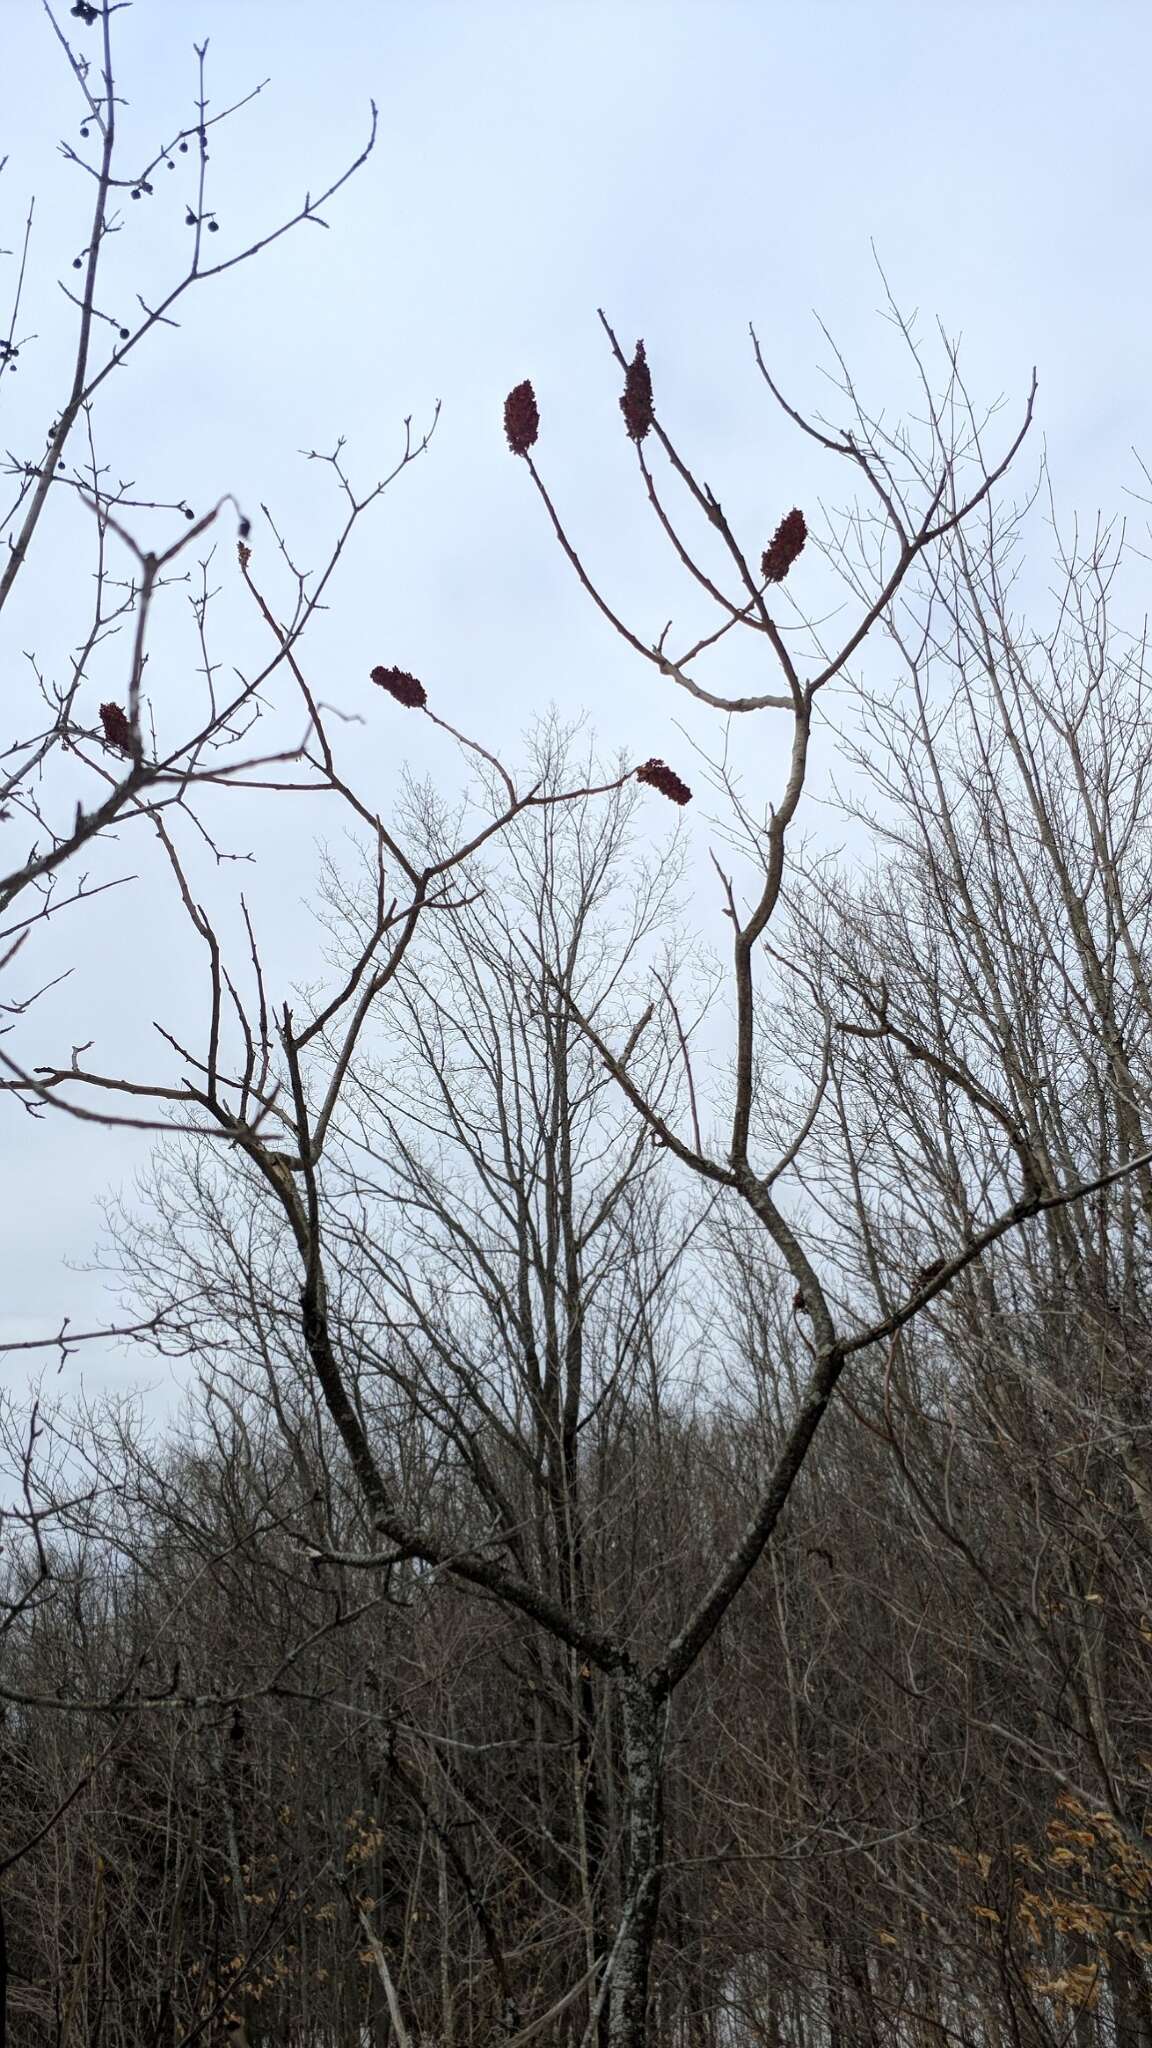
653,1540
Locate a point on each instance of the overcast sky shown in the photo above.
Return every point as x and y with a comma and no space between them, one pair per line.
690,168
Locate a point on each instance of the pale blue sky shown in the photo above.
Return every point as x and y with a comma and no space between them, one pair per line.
690,167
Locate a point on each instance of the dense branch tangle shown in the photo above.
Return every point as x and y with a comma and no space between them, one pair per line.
126,774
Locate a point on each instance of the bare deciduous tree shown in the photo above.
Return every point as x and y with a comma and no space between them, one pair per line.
613,1373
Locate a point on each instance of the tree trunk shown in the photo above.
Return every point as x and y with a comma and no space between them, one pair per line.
643,1727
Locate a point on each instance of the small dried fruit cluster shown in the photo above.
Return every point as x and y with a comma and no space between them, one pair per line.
522,426
636,404
117,730
784,546
522,415
658,775
521,418
402,686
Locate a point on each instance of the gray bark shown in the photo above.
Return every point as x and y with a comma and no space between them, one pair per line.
642,1717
